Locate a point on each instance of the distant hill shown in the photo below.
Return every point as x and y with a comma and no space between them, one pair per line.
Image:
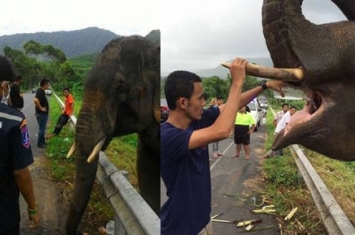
222,72
72,43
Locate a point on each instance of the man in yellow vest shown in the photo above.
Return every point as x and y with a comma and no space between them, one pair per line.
244,126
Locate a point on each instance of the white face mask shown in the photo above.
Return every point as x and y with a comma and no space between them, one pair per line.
5,98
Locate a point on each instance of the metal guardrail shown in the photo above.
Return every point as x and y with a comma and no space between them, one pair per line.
132,213
333,217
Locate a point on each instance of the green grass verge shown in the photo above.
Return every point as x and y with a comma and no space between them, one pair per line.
287,190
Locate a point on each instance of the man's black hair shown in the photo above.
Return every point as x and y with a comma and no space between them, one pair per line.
43,82
283,105
220,98
6,69
66,89
179,84
293,107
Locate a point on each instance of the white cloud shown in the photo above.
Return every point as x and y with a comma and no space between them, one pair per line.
198,34
123,17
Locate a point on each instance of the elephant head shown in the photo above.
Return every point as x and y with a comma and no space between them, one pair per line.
121,96
326,54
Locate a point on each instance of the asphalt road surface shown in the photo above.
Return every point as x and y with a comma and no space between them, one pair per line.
51,206
235,182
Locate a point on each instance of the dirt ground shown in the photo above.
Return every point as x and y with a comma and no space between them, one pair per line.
52,207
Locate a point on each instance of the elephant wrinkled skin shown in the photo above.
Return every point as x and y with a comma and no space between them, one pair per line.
326,53
121,96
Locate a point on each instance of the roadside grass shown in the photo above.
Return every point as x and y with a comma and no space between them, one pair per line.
121,151
287,189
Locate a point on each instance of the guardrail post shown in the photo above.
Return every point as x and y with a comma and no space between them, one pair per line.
119,229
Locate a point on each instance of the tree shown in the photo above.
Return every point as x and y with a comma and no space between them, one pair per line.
215,86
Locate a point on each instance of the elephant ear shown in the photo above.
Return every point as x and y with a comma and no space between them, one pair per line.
156,85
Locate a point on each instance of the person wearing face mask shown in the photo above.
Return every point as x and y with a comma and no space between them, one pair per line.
15,157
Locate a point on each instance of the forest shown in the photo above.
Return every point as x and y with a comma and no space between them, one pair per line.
36,61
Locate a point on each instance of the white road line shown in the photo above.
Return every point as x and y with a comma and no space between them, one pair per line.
224,152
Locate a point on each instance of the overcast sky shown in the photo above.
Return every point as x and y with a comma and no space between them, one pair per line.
199,34
123,17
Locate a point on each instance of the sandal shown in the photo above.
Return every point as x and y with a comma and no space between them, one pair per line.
247,157
235,156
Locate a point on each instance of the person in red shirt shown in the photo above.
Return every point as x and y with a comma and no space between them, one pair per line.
66,113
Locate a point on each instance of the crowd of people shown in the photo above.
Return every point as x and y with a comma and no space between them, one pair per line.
15,147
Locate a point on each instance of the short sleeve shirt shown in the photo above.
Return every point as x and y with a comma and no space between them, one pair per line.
244,119
279,116
283,122
15,154
187,178
69,101
41,96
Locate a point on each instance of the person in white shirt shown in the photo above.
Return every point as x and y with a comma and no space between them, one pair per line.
280,114
280,126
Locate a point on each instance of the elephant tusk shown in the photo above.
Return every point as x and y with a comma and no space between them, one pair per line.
281,74
71,151
96,151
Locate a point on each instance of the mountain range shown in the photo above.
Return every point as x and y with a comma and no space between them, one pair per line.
72,43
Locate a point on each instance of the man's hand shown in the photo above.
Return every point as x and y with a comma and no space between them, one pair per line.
278,86
237,70
33,215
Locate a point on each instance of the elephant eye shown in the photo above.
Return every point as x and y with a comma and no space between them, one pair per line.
122,87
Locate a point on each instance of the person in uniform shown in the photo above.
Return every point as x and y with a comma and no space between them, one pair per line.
15,157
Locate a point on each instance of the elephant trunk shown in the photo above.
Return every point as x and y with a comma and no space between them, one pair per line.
276,24
85,172
295,42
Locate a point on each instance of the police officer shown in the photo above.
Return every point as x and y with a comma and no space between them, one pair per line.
15,157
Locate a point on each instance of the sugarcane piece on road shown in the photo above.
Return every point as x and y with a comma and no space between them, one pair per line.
266,209
247,222
291,214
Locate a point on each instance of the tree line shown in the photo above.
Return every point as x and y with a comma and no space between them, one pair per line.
37,61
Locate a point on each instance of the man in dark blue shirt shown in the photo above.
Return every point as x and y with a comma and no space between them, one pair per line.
184,152
15,156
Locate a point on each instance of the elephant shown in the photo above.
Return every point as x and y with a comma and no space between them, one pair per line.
121,96
326,55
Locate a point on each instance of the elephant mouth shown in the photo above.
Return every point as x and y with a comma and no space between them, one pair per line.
312,108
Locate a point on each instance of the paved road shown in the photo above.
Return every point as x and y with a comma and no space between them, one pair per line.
52,208
240,179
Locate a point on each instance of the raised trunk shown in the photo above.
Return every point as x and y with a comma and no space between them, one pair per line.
347,7
293,41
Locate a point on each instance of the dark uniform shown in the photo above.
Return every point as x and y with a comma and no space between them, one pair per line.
16,98
15,154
